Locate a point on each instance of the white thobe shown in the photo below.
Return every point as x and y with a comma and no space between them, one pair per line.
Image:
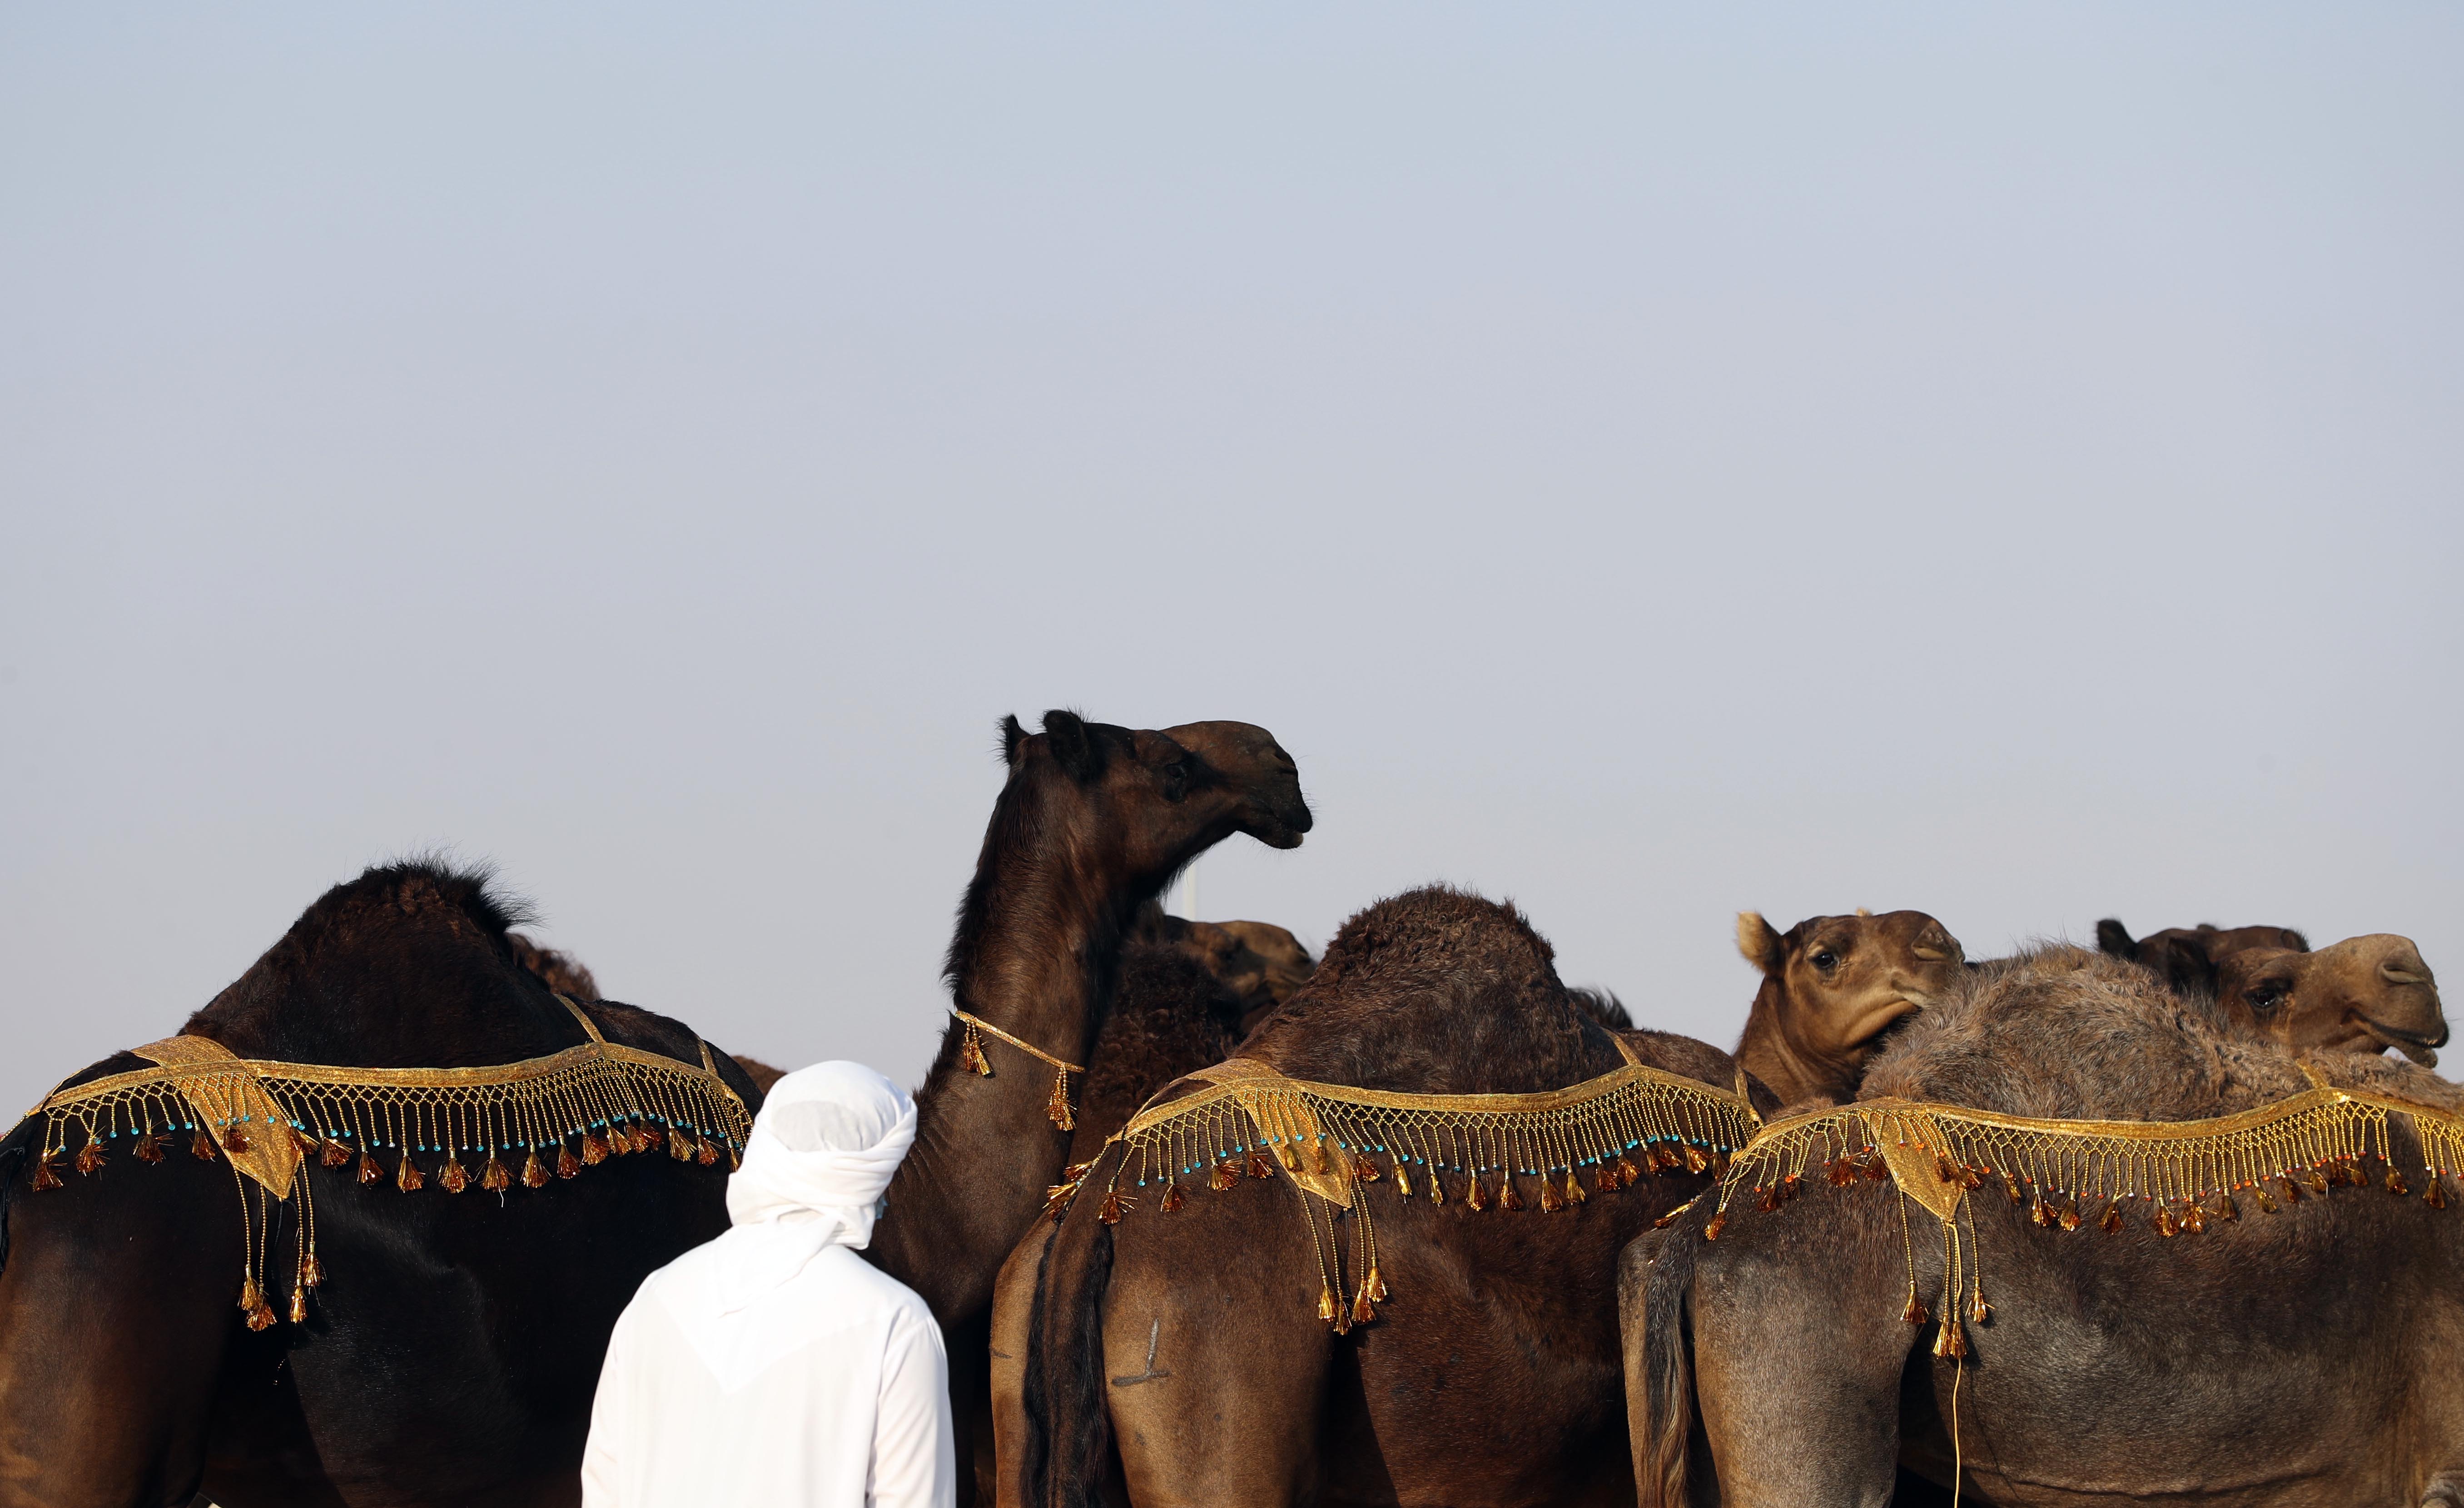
830,1391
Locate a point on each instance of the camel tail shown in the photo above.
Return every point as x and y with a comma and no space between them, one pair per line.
1667,1427
1067,1427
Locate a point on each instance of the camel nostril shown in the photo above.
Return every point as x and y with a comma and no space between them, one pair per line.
1931,955
2395,975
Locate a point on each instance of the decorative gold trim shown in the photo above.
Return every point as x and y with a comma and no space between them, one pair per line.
271,1120
1329,1141
972,1059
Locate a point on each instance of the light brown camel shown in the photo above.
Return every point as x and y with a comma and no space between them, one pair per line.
2362,994
1262,963
1831,986
1093,820
1192,1333
2295,1346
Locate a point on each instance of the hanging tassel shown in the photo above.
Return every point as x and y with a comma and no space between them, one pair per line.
1437,1188
2292,1189
201,1147
235,1140
1507,1198
647,1137
298,1306
2042,1213
453,1176
2010,1187
1551,1200
567,1166
2194,1219
1838,1173
1375,1285
680,1145
44,1177
1317,1156
2111,1223
1326,1308
1057,1200
705,1154
370,1169
1115,1204
1057,1107
2226,1209
1769,1201
1574,1194
2166,1224
311,1271
2436,1197
90,1158
334,1156
1717,1223
1878,1167
1362,1311
1366,1171
1225,1175
594,1152
1915,1311
149,1148
1261,1165
1172,1198
2266,1200
1695,1161
971,1055
1950,1344
1978,1310
493,1177
1628,1174
1402,1178
252,1302
1476,1196
2317,1180
2070,1215
534,1171
408,1177
1944,1170
2395,1184
1790,1187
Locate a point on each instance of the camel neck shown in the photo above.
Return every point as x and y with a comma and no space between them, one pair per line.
1790,1069
1037,948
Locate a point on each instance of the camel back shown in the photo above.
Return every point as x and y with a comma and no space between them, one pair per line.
1248,1120
270,1119
2184,1175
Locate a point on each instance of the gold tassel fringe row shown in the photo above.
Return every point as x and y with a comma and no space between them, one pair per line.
2191,1176
972,1059
1480,1152
519,1122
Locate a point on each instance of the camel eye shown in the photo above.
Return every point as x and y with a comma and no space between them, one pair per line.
1176,779
2266,997
1826,961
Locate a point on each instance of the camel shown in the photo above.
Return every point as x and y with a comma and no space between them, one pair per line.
1094,821
2294,1345
2189,957
1480,1364
1831,986
2363,994
1262,963
451,1352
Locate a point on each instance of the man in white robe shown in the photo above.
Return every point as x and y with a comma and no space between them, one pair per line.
774,1366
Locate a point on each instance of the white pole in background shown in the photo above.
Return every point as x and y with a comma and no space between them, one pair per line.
1184,893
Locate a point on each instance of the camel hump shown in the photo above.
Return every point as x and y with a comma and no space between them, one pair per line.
1437,990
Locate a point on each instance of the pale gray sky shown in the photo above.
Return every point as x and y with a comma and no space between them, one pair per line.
2002,461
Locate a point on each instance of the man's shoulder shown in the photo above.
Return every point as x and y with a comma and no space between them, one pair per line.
893,1298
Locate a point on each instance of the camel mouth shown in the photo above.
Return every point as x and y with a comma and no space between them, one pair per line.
2415,1045
1885,1015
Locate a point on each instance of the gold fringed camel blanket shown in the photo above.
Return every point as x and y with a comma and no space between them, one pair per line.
271,1120
1332,1140
2176,1177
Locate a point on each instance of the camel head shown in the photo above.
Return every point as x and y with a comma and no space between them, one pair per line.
1276,958
1834,984
2363,994
2189,957
1154,800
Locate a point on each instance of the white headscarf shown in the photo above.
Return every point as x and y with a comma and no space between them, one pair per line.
820,1156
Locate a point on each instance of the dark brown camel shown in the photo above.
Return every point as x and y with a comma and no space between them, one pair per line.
2189,957
1094,819
2363,994
450,1355
1831,986
1262,963
1192,1340
2301,1358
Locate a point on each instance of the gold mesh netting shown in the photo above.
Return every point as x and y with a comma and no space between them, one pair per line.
1479,1150
521,1122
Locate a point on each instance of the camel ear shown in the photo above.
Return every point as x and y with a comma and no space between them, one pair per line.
1066,734
2295,940
1762,947
2113,939
1013,739
1864,911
